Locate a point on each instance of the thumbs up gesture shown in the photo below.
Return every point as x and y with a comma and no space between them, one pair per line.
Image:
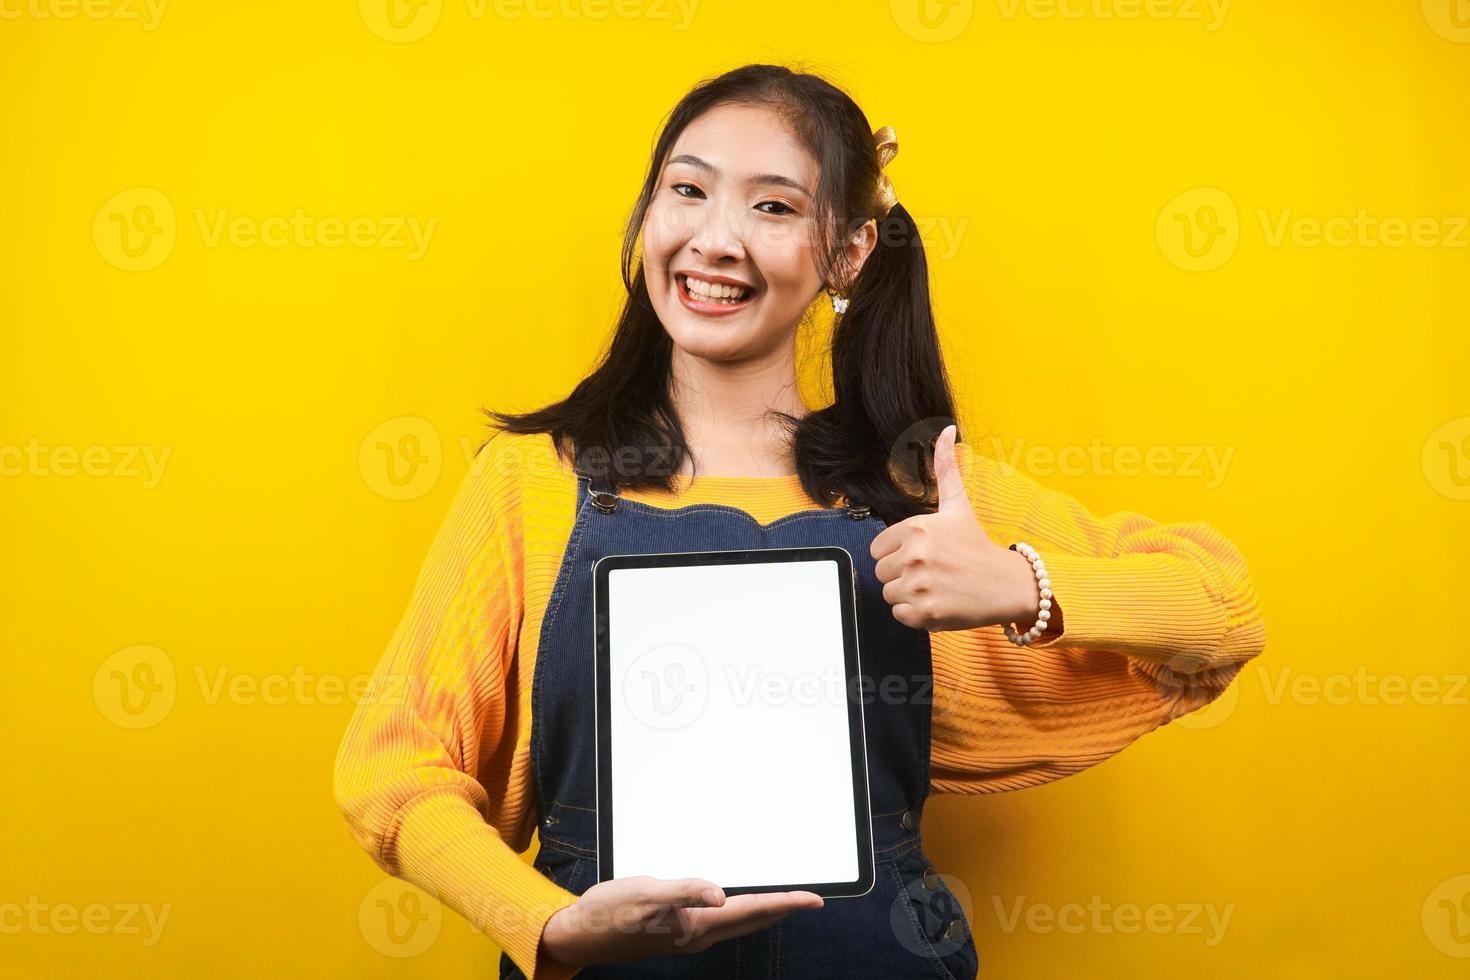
941,571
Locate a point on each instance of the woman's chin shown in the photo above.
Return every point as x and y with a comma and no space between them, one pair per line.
712,341
698,343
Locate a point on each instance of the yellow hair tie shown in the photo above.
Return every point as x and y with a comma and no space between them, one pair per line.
886,141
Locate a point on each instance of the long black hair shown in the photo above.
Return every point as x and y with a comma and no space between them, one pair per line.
873,444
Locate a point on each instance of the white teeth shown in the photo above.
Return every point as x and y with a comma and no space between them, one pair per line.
715,291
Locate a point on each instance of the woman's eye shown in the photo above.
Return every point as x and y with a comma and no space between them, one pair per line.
694,192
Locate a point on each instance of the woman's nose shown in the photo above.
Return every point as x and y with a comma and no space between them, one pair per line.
721,233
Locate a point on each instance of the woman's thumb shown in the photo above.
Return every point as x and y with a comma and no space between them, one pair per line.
947,472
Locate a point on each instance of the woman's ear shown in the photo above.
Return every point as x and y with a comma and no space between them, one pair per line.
855,252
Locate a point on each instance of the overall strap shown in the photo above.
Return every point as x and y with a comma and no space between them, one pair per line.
602,489
857,511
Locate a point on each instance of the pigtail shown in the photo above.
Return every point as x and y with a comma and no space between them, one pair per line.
891,391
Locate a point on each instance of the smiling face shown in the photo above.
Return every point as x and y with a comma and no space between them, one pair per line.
727,253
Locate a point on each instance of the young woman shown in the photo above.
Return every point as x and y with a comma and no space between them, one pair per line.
765,189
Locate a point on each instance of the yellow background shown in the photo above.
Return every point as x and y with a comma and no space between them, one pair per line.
316,402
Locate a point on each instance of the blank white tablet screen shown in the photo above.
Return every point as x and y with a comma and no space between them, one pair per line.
731,755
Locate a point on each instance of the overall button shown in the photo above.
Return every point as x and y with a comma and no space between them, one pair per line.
910,820
955,931
931,879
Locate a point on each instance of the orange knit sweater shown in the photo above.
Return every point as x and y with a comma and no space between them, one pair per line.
433,774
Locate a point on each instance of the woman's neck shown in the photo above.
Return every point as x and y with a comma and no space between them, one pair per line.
721,406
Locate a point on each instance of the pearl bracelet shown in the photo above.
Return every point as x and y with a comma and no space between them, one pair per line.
1044,584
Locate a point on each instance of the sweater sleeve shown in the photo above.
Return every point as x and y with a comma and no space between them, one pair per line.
436,709
1157,620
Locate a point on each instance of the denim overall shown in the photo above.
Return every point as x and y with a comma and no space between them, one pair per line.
909,924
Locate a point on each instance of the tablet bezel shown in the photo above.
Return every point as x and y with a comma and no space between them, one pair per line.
852,659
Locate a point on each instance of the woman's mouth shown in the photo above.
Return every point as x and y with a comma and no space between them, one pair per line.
710,298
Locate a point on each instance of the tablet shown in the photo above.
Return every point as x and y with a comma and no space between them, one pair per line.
730,741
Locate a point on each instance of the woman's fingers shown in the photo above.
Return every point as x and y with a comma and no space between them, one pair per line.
630,918
744,914
750,913
681,892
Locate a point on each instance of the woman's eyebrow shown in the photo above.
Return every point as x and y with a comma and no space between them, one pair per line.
776,179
